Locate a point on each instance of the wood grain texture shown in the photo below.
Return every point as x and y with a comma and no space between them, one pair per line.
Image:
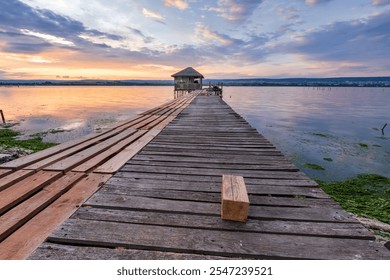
234,199
27,238
18,215
23,189
222,243
116,162
13,178
4,172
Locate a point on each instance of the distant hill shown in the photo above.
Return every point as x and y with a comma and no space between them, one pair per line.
312,82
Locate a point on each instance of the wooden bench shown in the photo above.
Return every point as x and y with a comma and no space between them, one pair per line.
235,201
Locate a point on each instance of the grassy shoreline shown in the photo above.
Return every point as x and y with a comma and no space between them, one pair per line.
8,142
366,195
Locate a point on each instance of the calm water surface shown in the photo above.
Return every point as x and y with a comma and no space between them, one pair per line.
77,110
309,125
336,128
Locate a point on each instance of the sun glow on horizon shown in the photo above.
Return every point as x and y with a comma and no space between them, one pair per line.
42,39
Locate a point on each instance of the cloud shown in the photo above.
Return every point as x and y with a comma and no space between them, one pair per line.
17,15
207,36
358,41
28,58
180,4
288,13
150,14
380,2
235,10
49,38
316,2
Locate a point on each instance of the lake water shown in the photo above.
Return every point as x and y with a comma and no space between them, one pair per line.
336,128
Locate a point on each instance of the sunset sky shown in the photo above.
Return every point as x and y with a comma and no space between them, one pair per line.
152,39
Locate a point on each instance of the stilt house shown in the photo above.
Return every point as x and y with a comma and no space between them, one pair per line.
187,80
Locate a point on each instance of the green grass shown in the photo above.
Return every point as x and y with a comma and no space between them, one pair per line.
328,159
363,145
367,195
314,166
35,144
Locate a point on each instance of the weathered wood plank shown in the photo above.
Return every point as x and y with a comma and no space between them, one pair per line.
18,215
205,164
214,186
120,159
214,154
53,251
200,161
101,157
32,158
213,195
222,243
188,207
23,189
329,229
285,174
4,172
13,178
84,155
27,238
66,153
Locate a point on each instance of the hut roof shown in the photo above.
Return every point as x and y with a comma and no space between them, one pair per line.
188,72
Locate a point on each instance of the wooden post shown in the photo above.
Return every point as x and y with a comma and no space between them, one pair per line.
235,201
2,116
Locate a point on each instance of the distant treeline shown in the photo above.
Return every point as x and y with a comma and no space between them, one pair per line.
305,82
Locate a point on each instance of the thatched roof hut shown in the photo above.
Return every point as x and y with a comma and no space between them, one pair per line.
188,80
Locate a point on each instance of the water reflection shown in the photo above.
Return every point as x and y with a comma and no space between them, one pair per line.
310,124
77,110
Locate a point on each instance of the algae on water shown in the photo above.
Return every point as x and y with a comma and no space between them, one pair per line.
366,195
34,144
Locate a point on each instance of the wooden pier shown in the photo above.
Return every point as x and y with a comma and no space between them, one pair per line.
150,188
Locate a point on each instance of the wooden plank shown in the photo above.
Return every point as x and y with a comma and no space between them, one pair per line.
101,157
23,189
213,195
71,161
169,103
149,119
53,251
198,161
188,207
32,158
205,164
4,172
13,178
234,199
214,154
27,238
329,229
288,189
116,162
17,216
217,172
164,123
215,147
222,243
66,153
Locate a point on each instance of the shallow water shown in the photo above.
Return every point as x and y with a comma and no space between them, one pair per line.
307,124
